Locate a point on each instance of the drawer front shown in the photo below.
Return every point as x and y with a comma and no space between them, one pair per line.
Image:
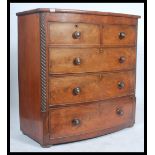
73,33
85,88
119,35
82,119
75,60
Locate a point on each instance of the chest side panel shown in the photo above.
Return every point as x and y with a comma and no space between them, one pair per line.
29,76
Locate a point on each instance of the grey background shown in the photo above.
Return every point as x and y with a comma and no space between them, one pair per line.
130,139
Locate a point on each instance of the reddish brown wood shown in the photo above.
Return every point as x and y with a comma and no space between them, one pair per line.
111,35
61,60
89,135
90,18
62,33
49,74
39,10
29,76
95,119
93,87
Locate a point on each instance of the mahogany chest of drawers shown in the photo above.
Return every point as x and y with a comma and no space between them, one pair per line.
77,73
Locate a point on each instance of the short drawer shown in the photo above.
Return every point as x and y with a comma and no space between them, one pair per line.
73,33
94,117
119,35
75,60
90,87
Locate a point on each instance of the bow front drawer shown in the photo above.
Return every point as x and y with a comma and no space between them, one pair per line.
73,33
75,60
85,88
92,118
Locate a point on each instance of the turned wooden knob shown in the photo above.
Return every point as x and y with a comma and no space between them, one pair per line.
76,122
77,61
121,85
119,112
122,59
122,35
76,35
76,91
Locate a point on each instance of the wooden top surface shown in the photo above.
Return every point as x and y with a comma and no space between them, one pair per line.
53,10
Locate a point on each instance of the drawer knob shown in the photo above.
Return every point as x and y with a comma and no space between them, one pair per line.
122,59
77,61
121,85
76,35
122,35
76,91
76,122
119,112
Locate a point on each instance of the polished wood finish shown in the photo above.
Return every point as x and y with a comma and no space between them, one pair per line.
29,76
90,18
111,35
77,73
93,87
61,60
47,10
63,33
90,117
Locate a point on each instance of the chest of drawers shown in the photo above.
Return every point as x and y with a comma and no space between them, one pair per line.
77,73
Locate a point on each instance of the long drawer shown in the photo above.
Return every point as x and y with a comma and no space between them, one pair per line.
84,119
90,87
79,60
